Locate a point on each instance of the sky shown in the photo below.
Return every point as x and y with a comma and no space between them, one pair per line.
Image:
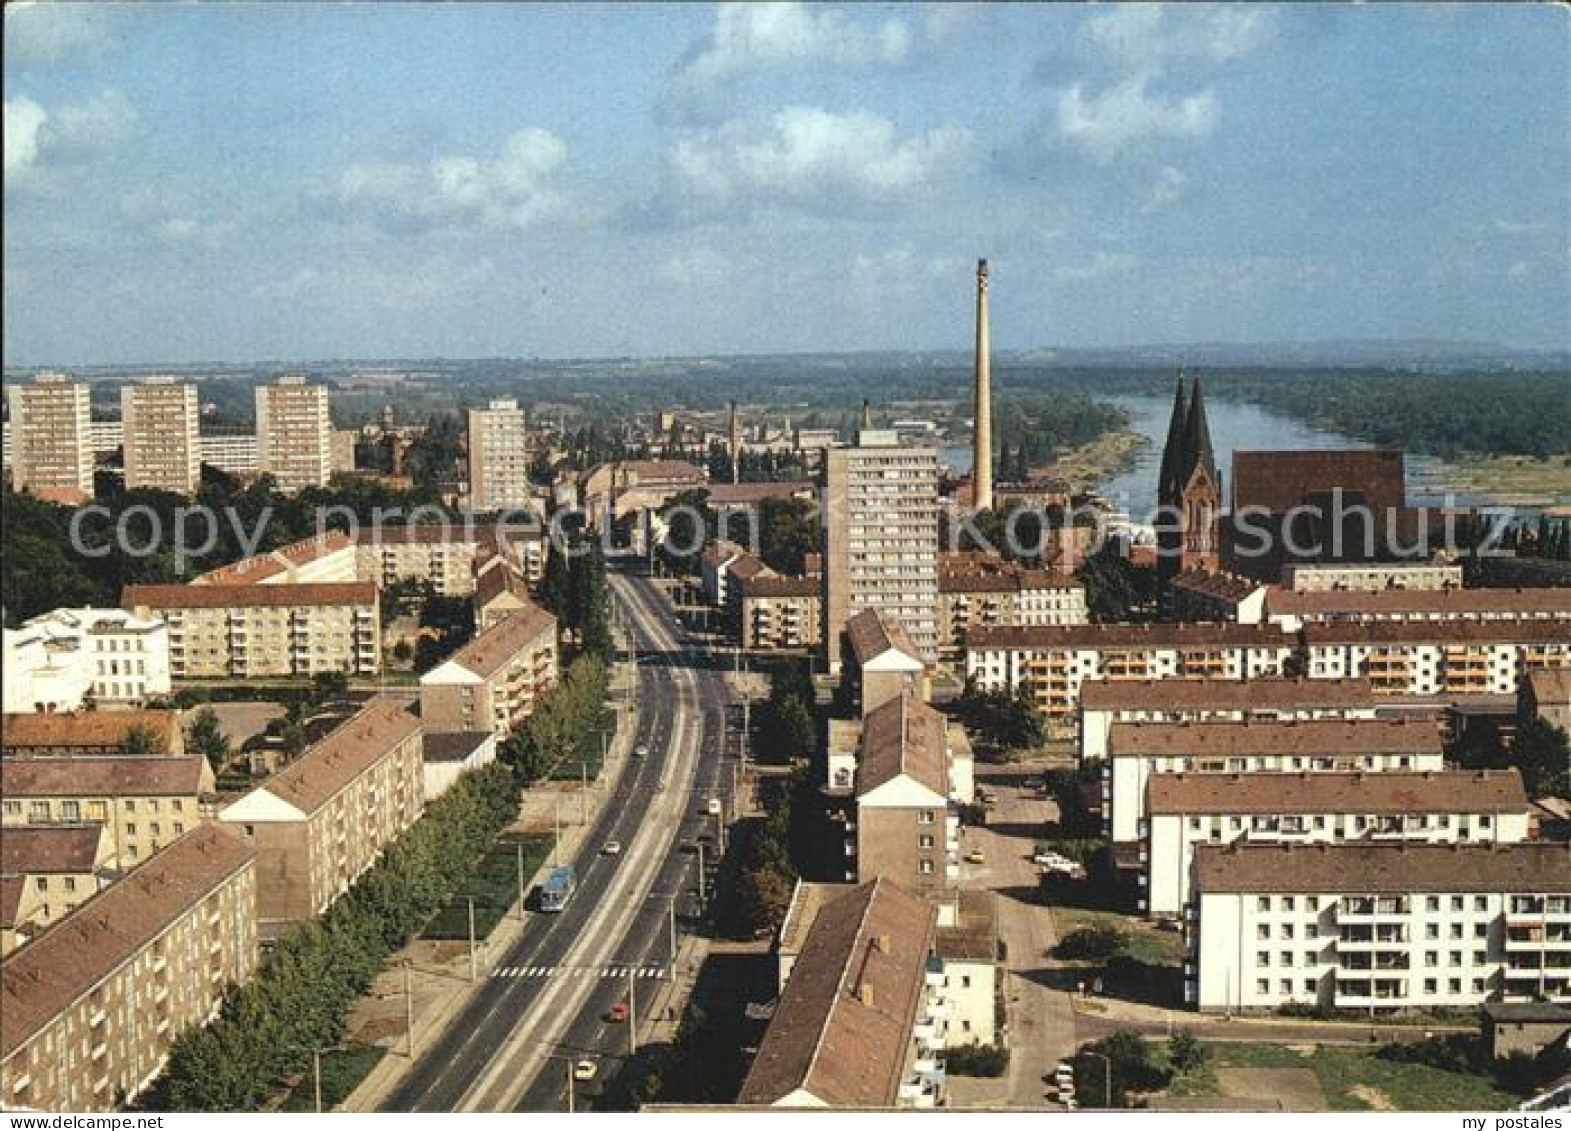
228,182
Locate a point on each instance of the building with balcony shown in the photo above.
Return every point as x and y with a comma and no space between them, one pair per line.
325,818
144,804
46,871
51,452
441,554
1378,927
162,448
262,630
94,1003
498,453
1318,577
861,1022
1139,751
230,453
1293,610
779,613
1052,662
1106,702
294,434
493,682
62,660
907,790
980,591
1451,657
1188,810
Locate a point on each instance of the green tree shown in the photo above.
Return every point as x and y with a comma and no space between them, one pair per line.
1185,1053
207,739
141,741
1098,943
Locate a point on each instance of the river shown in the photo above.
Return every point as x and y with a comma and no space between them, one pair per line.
1235,426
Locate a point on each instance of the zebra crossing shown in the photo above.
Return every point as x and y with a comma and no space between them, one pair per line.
657,973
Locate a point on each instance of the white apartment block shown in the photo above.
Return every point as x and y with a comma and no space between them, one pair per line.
294,434
58,660
1189,810
233,455
1106,702
330,558
1371,576
1295,610
161,441
498,457
51,455
1052,662
880,515
257,631
1140,751
1378,927
1459,657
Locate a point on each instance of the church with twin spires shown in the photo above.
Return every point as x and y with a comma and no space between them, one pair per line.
1189,489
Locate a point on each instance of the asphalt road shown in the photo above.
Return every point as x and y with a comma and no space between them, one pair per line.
544,1004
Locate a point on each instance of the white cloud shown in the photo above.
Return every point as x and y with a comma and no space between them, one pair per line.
1128,115
511,190
388,288
802,152
35,136
48,32
24,123
1151,38
1166,190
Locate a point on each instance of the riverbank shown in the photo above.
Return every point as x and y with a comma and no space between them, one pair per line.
1091,465
1521,481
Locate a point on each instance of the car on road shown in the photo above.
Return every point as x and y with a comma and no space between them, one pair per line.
585,1069
617,1014
611,848
713,807
976,856
640,750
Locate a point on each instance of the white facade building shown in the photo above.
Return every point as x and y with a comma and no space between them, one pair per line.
1458,657
59,660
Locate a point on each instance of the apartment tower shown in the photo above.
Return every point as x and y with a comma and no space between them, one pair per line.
162,446
294,434
880,538
51,453
498,457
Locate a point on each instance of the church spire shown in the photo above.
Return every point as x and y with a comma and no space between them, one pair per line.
1170,477
1197,439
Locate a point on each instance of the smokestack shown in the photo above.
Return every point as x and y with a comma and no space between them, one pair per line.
982,455
736,446
867,413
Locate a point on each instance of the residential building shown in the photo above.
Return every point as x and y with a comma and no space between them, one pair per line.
46,871
1186,810
1378,927
261,630
1052,662
442,554
238,455
979,591
1457,657
966,954
162,449
499,592
1293,610
1106,702
1523,1027
493,682
325,818
88,734
860,1023
450,755
93,1005
62,660
1211,595
329,557
498,440
51,454
1315,577
780,613
626,495
144,804
880,521
294,434
1546,694
880,662
907,825
1139,751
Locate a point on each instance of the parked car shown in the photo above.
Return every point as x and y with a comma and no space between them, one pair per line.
640,750
617,1014
585,1069
713,808
976,856
1035,783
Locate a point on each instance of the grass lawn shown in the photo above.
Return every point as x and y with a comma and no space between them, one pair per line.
1146,943
587,755
494,885
342,1072
1353,1078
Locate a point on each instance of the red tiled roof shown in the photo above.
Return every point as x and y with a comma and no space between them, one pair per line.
1293,736
1462,791
322,772
496,647
1225,634
94,730
903,736
1224,694
286,595
1396,869
1281,480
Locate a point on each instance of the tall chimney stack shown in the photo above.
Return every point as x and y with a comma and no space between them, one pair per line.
867,414
982,455
736,446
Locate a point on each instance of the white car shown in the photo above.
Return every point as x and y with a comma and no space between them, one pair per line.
640,750
714,807
611,848
585,1069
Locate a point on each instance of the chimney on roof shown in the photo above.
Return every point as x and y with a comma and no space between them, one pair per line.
864,993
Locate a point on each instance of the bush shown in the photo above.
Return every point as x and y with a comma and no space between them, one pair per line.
1134,1069
977,1060
1186,1054
1092,944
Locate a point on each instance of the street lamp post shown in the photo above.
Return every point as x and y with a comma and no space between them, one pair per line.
1107,1076
474,967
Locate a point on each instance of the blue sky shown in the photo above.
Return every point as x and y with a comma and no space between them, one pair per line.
230,182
